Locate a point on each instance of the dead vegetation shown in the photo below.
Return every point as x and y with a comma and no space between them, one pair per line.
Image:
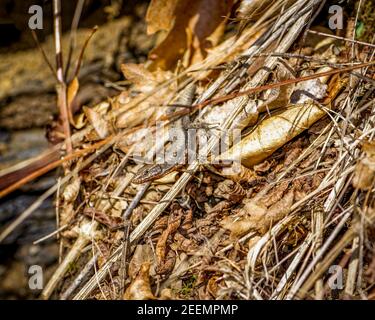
300,201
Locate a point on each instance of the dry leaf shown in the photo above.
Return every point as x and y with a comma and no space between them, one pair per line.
275,194
142,254
364,174
241,175
138,75
140,288
273,133
72,91
160,15
203,18
148,107
229,190
174,222
237,227
256,215
263,222
71,190
103,218
100,126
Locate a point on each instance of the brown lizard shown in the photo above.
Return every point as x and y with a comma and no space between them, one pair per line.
176,159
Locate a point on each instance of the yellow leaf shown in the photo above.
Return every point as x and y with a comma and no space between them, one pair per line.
72,91
160,15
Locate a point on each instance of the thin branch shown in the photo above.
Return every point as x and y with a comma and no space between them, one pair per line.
35,37
61,86
80,58
341,38
73,34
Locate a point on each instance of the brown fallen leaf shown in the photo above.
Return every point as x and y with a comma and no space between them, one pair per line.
242,223
71,191
275,194
165,262
142,254
274,213
101,126
255,215
148,107
160,15
230,190
213,286
140,288
111,222
364,174
139,76
241,174
204,20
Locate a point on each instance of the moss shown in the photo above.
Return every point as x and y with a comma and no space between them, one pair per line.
188,286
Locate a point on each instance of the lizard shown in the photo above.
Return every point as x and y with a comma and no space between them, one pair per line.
176,159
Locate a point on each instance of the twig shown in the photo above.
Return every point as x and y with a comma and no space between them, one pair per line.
78,280
83,239
61,85
73,34
341,38
80,58
35,37
125,245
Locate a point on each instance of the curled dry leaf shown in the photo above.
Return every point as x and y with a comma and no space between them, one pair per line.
213,286
163,256
255,215
273,133
168,264
240,175
142,254
364,174
103,218
100,125
142,79
278,129
203,20
229,190
241,224
275,194
71,190
188,220
140,288
274,213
